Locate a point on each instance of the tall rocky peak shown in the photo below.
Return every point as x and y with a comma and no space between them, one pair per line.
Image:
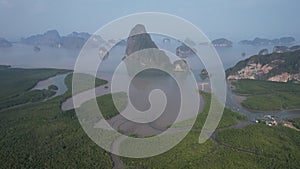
138,39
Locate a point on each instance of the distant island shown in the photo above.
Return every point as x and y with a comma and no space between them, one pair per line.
52,38
222,42
4,43
279,49
261,41
184,51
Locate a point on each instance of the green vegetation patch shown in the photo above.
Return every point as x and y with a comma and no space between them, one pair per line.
52,87
278,143
106,105
41,135
28,97
16,81
267,95
249,87
84,81
296,122
229,117
181,156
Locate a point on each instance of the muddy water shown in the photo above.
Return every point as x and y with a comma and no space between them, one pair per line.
139,91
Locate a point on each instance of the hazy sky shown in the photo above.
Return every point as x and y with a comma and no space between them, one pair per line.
233,19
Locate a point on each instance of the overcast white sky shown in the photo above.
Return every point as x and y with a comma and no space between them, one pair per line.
233,19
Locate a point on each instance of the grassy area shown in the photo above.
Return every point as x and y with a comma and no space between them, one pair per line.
189,153
16,84
15,81
28,97
273,147
247,86
84,81
296,122
280,144
40,135
267,95
229,117
181,156
106,105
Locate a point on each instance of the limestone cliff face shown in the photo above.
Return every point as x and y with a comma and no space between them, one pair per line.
136,58
138,39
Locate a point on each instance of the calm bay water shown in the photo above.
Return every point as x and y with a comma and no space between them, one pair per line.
24,56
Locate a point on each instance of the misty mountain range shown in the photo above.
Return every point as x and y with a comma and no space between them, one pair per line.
53,39
261,41
76,40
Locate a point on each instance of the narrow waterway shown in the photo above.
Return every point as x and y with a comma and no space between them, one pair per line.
252,115
58,80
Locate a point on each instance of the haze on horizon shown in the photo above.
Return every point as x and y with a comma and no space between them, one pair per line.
233,19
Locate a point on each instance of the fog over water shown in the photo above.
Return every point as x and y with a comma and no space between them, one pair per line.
24,56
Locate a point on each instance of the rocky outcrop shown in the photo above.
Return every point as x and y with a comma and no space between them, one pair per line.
294,48
184,51
138,39
180,66
262,41
204,74
263,52
222,42
280,49
136,57
285,77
